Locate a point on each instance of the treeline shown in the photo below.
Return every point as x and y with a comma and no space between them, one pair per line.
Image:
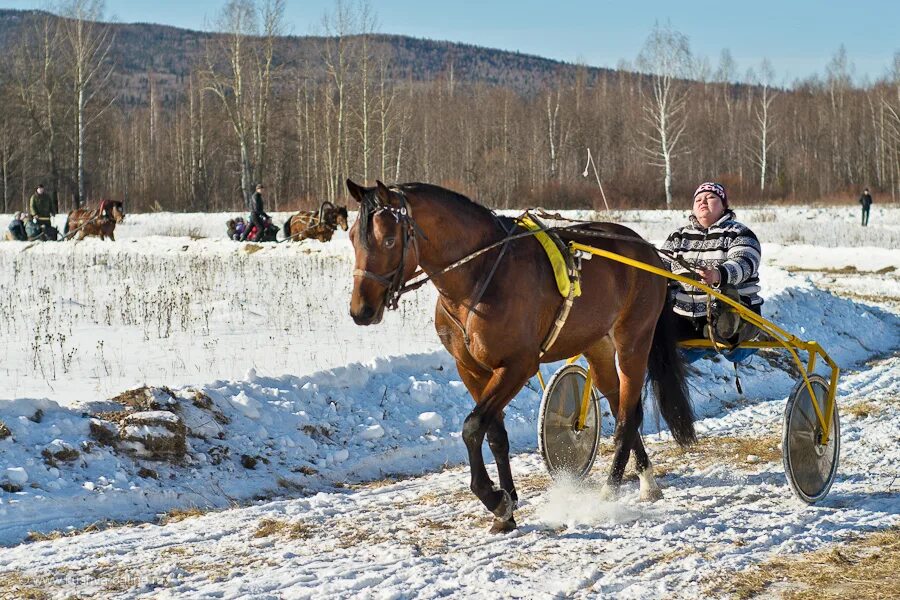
249,104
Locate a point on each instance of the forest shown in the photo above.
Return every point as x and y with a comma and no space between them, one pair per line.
178,120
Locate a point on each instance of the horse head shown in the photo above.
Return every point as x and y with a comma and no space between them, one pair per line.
341,217
383,243
118,211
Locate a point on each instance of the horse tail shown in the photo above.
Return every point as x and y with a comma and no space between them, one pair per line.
287,227
669,378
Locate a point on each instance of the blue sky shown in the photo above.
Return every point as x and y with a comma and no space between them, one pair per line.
799,37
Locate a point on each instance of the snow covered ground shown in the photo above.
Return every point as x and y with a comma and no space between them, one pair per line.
283,397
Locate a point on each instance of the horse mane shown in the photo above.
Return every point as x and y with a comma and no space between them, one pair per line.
444,195
458,201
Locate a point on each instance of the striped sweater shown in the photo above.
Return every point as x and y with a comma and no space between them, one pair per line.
727,245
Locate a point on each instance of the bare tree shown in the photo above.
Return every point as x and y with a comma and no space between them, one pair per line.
764,121
339,55
239,72
89,42
666,58
38,78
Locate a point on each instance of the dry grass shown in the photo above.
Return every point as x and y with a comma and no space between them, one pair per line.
718,450
252,248
180,514
142,399
865,567
14,584
846,270
37,536
295,531
861,410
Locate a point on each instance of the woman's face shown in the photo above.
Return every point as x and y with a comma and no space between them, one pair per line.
708,208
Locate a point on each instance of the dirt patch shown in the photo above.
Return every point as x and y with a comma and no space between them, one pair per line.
864,567
147,398
4,431
104,430
155,434
59,451
252,248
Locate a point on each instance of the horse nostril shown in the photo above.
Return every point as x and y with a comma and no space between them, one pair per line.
366,313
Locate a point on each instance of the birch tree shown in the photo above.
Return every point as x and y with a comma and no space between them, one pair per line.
764,122
39,79
666,59
88,45
240,67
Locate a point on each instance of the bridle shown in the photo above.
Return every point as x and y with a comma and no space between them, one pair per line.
393,280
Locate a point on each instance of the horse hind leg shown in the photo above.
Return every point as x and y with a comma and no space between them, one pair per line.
602,359
622,387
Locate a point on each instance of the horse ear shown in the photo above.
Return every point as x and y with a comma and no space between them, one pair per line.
384,194
356,191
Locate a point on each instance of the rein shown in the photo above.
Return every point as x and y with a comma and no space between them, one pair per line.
414,285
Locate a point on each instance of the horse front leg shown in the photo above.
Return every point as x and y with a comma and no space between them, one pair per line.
498,441
500,389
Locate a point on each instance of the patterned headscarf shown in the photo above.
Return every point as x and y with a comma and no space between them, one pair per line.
715,188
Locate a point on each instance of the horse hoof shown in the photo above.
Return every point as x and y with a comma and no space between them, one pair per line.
651,495
504,510
501,526
608,493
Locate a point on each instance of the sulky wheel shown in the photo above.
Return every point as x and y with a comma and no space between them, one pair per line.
810,467
565,450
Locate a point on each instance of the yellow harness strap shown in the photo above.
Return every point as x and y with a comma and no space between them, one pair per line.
557,260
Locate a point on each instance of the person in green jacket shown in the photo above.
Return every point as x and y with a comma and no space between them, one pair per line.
42,206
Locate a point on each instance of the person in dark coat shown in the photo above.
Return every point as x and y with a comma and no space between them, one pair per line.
42,206
258,216
866,201
17,226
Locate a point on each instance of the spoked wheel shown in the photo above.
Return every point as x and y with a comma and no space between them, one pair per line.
810,467
565,449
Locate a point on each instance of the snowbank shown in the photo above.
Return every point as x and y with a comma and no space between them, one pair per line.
265,436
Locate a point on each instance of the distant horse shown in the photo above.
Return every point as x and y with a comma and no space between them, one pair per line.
316,224
494,314
101,221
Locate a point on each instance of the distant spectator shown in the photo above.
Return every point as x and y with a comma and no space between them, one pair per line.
866,201
258,216
42,206
17,226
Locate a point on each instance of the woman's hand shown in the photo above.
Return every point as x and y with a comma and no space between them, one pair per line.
711,277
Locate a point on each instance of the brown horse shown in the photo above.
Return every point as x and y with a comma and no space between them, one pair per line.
101,221
494,312
316,224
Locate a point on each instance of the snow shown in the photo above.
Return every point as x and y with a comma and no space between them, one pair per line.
17,475
319,404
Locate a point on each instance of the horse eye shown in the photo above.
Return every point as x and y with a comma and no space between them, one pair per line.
389,242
